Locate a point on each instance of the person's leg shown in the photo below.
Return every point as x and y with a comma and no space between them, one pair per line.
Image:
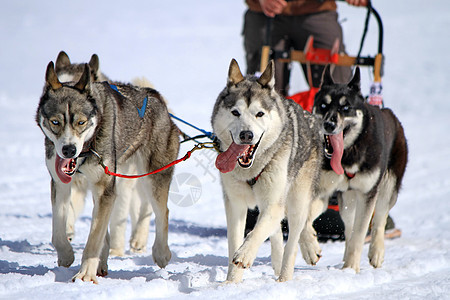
253,32
280,41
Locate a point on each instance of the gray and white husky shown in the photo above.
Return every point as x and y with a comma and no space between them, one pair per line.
271,157
130,129
135,204
366,153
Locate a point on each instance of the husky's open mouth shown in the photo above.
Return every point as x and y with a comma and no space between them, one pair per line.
242,154
328,148
65,168
246,159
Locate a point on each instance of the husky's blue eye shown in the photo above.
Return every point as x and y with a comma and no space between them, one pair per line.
323,105
259,114
235,113
55,122
345,108
81,123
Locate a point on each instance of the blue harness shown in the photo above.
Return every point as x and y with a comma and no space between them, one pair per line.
141,111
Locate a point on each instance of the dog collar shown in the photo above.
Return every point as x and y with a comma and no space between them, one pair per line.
252,182
349,175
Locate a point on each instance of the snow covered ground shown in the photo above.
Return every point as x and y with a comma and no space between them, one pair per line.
184,48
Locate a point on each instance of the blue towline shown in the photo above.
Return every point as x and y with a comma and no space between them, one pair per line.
207,133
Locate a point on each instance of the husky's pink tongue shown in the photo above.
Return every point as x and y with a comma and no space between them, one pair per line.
226,161
60,164
337,142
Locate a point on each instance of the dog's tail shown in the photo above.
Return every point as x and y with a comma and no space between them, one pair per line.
145,83
142,82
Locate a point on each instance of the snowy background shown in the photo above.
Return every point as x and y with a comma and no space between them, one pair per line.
184,49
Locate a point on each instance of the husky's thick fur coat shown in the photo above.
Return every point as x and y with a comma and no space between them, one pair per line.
131,130
366,160
134,204
271,157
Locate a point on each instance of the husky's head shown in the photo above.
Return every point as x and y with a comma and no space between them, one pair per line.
246,117
67,115
68,71
340,107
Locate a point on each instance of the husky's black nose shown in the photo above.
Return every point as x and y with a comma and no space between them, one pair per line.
329,126
69,151
246,136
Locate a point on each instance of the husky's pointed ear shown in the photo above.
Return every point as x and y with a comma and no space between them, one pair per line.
234,73
327,79
267,78
62,60
355,83
85,79
51,78
94,63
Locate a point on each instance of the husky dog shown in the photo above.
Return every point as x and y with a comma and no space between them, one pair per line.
366,154
135,203
271,157
131,131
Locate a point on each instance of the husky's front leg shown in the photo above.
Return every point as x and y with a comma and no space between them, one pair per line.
298,205
60,197
386,198
77,200
268,222
355,242
309,244
236,212
104,196
269,192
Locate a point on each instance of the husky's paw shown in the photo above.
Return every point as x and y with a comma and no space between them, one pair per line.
66,259
88,271
102,269
310,248
138,246
284,278
244,257
234,274
116,252
376,257
351,263
161,255
287,273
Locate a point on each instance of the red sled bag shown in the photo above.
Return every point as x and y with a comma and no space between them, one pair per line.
305,99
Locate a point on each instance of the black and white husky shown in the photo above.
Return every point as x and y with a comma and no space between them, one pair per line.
271,157
366,154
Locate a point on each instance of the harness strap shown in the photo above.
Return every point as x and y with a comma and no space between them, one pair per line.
188,155
108,172
252,182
